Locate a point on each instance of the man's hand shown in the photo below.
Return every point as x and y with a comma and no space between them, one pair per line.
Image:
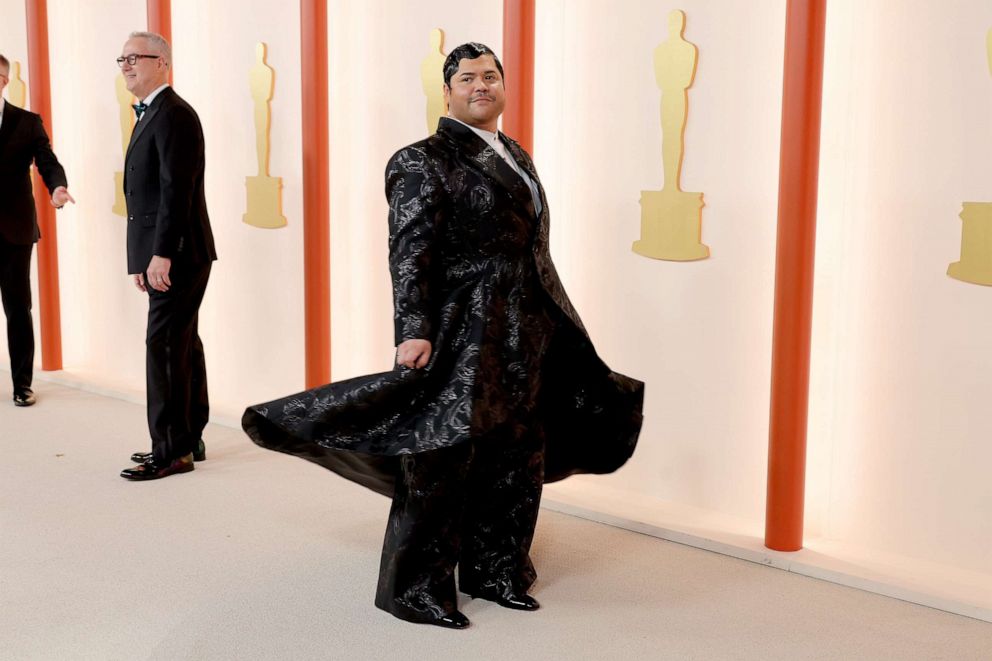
158,273
60,196
413,353
139,282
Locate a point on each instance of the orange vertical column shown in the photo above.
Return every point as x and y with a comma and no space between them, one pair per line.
518,64
316,199
48,248
160,21
796,248
160,17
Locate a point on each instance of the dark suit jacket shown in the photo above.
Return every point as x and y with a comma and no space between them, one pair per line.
163,186
22,140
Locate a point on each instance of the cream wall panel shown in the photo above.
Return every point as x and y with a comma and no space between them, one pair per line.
102,313
902,367
253,314
699,334
252,318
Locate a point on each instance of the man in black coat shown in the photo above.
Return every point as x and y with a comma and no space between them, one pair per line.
22,140
498,389
170,249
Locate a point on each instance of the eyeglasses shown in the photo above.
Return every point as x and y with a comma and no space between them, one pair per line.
133,59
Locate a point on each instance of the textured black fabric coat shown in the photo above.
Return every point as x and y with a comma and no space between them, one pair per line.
472,274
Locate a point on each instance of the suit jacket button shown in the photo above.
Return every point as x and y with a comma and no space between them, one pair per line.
130,217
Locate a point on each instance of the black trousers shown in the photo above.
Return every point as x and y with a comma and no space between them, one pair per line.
15,287
176,374
474,506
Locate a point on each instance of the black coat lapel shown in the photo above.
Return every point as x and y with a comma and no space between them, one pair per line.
147,117
524,160
486,158
11,117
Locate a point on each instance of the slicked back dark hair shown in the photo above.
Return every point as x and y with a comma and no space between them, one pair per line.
469,51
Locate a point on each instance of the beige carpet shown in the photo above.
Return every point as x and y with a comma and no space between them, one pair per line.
255,555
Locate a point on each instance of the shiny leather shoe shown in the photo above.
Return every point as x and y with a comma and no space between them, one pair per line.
453,620
24,397
520,602
199,454
152,471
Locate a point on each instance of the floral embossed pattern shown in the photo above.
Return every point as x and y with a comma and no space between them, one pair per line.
473,275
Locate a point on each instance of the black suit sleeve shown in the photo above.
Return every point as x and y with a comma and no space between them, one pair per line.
44,158
415,195
180,155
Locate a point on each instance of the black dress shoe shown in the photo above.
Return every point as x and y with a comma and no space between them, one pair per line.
24,397
520,602
199,454
152,471
454,620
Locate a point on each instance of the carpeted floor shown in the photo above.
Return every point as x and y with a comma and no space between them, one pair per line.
255,555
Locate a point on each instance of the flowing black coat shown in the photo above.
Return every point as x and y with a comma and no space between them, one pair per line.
472,274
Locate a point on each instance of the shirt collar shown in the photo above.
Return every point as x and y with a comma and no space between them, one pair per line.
3,102
151,97
491,139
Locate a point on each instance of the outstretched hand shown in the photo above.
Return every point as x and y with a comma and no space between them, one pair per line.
60,196
413,353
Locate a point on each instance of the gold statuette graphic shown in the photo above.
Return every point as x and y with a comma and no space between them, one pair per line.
17,91
126,116
670,218
976,233
264,192
432,79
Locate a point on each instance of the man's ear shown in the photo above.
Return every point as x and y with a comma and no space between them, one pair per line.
447,92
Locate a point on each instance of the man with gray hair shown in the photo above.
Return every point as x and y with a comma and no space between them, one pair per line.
23,140
170,248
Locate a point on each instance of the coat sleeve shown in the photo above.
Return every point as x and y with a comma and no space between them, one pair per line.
180,156
415,195
44,158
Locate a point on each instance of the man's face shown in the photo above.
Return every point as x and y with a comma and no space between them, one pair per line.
146,74
476,95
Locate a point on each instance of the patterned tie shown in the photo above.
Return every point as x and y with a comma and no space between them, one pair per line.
139,109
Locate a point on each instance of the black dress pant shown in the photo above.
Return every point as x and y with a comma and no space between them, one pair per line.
474,506
15,287
176,374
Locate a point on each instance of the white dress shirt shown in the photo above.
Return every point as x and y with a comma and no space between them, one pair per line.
151,97
2,104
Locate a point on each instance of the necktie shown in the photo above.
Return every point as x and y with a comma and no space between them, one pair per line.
139,109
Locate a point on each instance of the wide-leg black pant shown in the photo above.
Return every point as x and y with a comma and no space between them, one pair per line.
15,288
175,370
474,506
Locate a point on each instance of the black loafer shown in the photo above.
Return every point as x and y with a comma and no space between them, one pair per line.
199,454
454,620
24,397
520,602
152,471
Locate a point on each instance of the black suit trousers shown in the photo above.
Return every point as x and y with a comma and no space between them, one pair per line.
15,287
176,374
475,506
